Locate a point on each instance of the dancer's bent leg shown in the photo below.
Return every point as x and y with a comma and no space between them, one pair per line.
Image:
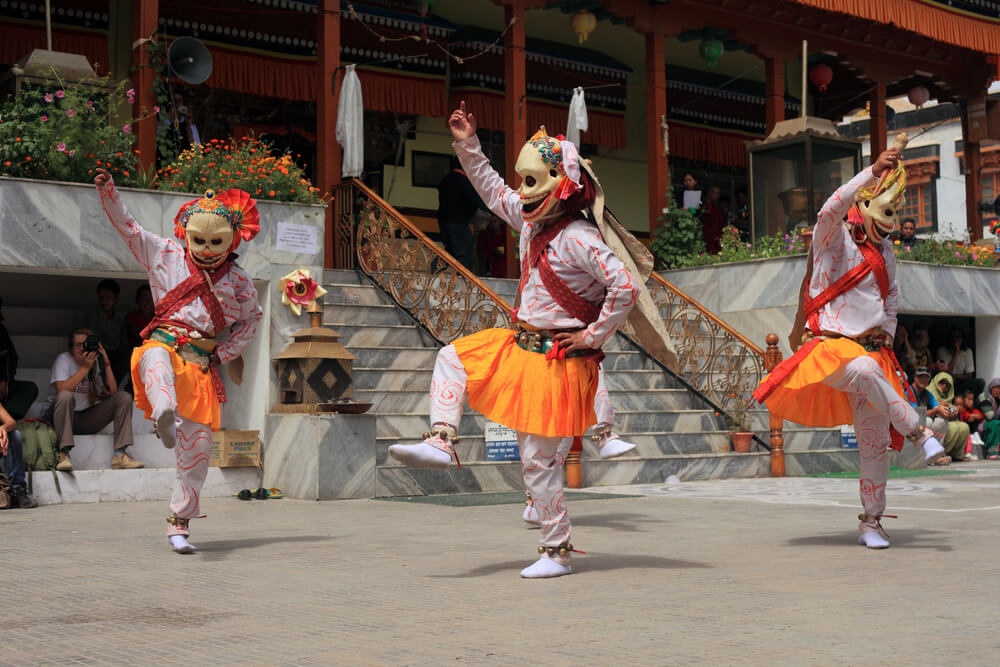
193,450
542,460
609,444
158,379
448,385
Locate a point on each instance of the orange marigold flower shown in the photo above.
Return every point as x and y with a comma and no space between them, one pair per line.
271,193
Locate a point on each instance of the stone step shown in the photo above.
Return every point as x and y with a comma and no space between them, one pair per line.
418,401
394,379
338,315
343,277
356,294
391,335
506,476
110,486
397,357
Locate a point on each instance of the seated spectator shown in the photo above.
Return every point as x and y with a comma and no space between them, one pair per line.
16,395
990,430
12,461
971,414
490,247
136,321
908,233
922,355
946,417
84,398
904,352
956,360
108,323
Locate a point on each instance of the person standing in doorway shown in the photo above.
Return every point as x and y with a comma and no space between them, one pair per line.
457,203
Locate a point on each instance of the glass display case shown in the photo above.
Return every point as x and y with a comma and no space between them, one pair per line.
794,171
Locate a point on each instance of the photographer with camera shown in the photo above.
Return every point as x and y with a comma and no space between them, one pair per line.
84,398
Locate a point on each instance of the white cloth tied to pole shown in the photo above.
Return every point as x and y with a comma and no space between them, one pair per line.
350,125
577,122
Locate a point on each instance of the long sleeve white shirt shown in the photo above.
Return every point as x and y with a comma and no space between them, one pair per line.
165,262
835,253
577,254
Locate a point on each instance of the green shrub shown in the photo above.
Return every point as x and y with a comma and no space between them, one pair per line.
679,240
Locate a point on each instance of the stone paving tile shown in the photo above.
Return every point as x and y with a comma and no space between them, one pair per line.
680,578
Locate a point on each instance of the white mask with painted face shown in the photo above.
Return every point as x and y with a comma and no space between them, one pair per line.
209,238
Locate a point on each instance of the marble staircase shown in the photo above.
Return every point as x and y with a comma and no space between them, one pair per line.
676,430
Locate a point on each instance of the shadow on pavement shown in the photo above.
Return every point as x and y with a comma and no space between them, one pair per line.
593,562
626,523
899,539
220,549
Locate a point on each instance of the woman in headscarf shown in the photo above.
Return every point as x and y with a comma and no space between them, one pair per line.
989,403
942,387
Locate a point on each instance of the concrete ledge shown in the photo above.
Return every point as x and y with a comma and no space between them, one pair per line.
104,486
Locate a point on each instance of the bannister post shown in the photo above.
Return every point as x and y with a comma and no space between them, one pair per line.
772,357
574,466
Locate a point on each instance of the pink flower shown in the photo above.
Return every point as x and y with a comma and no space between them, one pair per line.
127,128
156,109
60,94
72,152
48,97
70,113
957,255
45,119
130,94
61,147
90,105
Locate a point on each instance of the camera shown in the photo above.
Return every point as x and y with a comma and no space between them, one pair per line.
91,344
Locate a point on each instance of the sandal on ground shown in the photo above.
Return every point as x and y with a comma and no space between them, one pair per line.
275,494
245,494
261,494
943,461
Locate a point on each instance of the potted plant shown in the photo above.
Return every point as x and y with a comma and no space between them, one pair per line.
740,429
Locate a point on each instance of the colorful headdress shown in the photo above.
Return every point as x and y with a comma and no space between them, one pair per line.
561,155
236,206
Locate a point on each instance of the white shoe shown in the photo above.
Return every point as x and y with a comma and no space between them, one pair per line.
873,540
420,455
977,439
932,449
544,568
181,545
531,515
615,446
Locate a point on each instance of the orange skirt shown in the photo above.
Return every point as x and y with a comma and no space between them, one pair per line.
196,397
523,391
795,390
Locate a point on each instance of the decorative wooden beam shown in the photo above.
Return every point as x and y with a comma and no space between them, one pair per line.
877,116
973,162
774,100
328,152
514,113
656,114
145,22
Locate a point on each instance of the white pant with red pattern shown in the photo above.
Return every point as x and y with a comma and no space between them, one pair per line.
193,447
542,457
876,406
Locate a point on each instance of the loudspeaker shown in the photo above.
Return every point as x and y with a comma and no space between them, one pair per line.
189,60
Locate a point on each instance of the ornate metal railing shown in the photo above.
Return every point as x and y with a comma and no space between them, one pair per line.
712,357
439,292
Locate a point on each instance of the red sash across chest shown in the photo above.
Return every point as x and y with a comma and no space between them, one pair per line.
569,300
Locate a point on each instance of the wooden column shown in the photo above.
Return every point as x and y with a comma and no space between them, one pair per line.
515,113
878,120
574,464
656,113
973,163
145,20
774,93
328,153
772,357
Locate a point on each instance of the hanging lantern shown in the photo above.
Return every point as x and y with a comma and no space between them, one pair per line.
821,75
918,96
583,23
711,50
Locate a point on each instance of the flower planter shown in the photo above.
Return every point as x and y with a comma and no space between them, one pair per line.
741,441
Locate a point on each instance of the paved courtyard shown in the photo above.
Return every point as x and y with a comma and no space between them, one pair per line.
725,572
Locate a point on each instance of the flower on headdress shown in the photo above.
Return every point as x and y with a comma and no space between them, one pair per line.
299,289
995,227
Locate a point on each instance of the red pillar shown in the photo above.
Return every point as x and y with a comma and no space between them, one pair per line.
774,100
972,159
145,20
328,153
515,117
878,120
656,113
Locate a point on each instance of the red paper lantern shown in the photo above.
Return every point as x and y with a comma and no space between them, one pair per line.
821,75
918,96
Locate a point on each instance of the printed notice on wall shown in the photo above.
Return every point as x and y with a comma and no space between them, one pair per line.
297,238
501,443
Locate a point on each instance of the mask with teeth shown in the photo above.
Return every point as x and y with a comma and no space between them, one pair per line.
214,226
549,168
875,215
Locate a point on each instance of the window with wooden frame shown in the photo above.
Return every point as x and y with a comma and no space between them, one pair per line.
921,193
